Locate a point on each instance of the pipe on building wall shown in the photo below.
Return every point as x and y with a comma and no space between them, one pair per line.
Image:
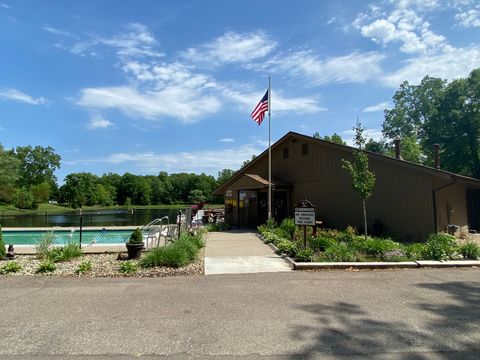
434,198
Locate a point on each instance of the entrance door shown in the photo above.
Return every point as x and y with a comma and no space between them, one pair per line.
280,208
473,208
262,206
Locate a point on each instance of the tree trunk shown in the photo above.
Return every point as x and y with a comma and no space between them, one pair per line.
365,218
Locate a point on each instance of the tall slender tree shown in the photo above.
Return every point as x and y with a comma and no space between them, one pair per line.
363,180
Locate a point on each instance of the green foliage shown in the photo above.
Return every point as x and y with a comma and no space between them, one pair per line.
396,255
37,165
377,248
196,196
288,227
470,250
9,174
287,247
3,251
178,254
45,244
320,243
128,267
84,267
415,251
68,252
304,255
219,226
10,267
338,252
335,138
24,199
224,175
46,266
41,192
136,237
439,247
363,180
436,111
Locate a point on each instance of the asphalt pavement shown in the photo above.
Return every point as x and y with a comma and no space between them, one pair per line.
384,314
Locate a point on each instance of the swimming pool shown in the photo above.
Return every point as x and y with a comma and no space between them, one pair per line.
97,236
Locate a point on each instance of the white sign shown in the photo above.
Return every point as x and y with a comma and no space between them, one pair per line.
304,216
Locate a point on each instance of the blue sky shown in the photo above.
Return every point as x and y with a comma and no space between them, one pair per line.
169,86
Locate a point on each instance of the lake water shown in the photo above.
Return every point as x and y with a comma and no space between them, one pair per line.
120,217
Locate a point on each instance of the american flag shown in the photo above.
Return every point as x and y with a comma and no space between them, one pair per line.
259,112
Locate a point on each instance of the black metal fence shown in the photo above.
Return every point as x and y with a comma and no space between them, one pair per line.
95,232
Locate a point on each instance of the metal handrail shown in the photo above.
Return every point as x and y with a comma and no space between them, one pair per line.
157,225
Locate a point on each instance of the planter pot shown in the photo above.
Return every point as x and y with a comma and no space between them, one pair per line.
134,250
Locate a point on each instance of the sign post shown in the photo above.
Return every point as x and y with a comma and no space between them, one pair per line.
304,216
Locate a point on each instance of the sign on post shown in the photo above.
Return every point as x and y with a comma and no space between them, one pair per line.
304,213
304,216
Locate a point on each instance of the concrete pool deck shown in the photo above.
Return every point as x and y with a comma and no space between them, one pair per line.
240,252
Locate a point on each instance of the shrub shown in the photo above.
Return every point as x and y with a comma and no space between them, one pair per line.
2,245
286,246
46,266
84,267
338,252
304,255
320,243
415,251
178,254
44,246
376,247
220,226
288,227
136,237
128,267
10,267
70,251
470,250
439,247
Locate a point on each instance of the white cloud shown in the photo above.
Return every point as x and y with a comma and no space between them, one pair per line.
136,42
354,67
227,140
98,122
174,101
5,6
379,107
17,95
403,24
280,104
232,47
209,161
452,64
56,31
348,135
469,18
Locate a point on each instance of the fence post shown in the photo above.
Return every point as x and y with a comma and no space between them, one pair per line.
81,225
179,217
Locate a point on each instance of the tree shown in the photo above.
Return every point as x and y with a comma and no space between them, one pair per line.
79,189
439,112
9,173
224,175
335,138
363,180
41,192
37,165
23,199
379,147
196,196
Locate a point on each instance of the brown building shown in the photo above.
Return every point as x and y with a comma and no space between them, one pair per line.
409,202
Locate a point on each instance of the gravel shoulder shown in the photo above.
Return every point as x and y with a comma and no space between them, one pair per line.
104,265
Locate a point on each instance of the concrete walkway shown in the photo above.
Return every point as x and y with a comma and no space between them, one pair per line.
238,252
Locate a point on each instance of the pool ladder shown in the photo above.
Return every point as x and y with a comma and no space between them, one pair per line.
158,232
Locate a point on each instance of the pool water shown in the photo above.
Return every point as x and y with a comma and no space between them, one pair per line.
65,236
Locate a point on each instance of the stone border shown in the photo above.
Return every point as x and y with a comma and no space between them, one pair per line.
372,265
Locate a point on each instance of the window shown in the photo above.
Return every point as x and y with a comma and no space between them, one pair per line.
304,149
285,152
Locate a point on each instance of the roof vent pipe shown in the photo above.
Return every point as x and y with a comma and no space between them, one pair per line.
436,151
397,149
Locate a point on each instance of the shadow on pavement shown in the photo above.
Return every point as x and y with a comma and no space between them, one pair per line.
447,328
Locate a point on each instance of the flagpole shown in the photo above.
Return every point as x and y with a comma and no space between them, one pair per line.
269,152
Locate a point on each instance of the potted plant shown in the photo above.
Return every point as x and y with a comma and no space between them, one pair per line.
135,244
